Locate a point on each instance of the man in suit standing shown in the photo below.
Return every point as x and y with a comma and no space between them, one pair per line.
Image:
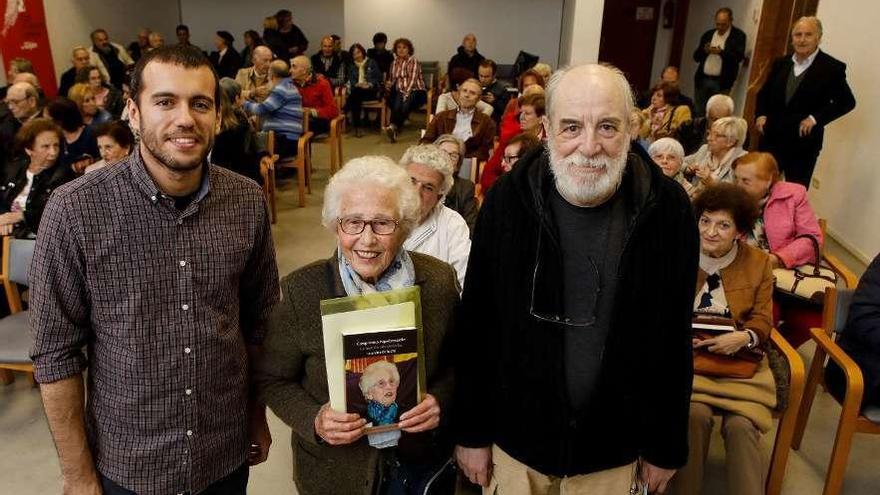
719,54
802,94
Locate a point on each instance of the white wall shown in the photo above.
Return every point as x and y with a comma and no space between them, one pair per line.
701,17
70,21
436,27
848,193
206,17
582,31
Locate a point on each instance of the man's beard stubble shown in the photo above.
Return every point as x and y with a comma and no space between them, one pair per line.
154,145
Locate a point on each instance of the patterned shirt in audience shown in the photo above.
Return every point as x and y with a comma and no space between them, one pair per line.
407,75
166,301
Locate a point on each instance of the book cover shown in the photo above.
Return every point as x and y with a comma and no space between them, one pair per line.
381,375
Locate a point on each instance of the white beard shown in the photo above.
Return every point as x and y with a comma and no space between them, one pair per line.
585,186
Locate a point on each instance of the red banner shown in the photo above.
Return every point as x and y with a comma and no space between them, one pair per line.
24,35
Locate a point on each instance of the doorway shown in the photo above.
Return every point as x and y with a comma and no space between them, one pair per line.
629,30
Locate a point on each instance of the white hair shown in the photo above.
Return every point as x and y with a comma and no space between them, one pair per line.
592,69
435,158
732,128
374,371
375,171
666,145
722,102
809,18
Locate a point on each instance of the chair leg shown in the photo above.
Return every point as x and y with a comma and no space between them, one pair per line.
6,377
813,379
840,453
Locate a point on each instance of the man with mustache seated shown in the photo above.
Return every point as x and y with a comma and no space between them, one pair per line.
576,372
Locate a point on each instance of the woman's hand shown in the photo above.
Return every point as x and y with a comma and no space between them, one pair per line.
704,174
425,416
728,343
775,262
338,428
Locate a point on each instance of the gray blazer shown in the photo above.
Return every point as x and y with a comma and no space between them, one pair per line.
292,376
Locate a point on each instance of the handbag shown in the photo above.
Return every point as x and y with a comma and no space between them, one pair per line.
743,364
806,283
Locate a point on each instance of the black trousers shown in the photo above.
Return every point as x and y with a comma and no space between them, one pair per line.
233,484
354,103
401,107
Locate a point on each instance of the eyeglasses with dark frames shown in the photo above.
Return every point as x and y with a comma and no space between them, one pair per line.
379,226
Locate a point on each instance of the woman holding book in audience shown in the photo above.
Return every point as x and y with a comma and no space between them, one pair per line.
406,85
371,207
25,191
713,162
788,230
364,83
734,283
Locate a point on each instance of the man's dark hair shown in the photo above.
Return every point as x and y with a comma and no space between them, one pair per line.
380,37
117,131
732,199
188,57
283,13
82,75
405,42
670,91
183,27
357,46
96,31
727,11
490,64
66,114
527,142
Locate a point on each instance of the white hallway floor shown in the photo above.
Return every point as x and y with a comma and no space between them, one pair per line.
28,464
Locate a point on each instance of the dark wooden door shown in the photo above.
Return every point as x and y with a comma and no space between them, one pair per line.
629,29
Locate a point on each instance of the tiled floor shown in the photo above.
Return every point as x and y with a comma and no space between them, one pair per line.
29,465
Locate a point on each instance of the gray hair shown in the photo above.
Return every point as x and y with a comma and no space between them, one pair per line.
721,101
433,157
666,145
451,138
809,18
365,171
231,88
733,128
372,373
593,69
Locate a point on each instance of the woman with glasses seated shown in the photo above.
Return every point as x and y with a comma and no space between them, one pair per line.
734,281
713,162
518,146
371,207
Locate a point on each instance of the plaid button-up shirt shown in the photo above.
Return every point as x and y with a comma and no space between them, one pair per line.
166,302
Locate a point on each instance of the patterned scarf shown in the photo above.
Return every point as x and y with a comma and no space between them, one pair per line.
401,273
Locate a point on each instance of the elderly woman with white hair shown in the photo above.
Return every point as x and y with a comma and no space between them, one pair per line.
371,207
712,163
668,154
441,232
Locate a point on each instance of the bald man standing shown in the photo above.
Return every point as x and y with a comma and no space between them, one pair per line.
255,81
802,94
467,57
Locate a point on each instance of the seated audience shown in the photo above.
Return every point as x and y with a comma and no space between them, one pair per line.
542,70
235,145
82,95
17,66
668,154
664,116
783,229
23,101
466,57
693,134
440,231
25,191
281,111
735,281
344,55
115,142
637,120
226,60
254,81
531,110
476,129
139,46
106,96
81,59
286,39
669,75
111,58
406,85
529,82
317,95
713,162
328,63
859,339
156,41
252,40
461,197
79,148
371,207
364,84
495,91
381,54
449,99
518,146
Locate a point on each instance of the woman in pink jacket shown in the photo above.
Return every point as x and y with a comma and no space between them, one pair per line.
784,230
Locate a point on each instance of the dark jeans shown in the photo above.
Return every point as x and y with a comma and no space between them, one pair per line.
401,107
796,161
233,484
354,103
403,478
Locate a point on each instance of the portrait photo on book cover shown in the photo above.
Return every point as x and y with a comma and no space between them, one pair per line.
381,375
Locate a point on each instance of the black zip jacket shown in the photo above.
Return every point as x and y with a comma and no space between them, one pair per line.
44,183
510,374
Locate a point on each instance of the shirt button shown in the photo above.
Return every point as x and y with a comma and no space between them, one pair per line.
189,433
152,198
189,391
185,307
180,222
182,263
187,350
